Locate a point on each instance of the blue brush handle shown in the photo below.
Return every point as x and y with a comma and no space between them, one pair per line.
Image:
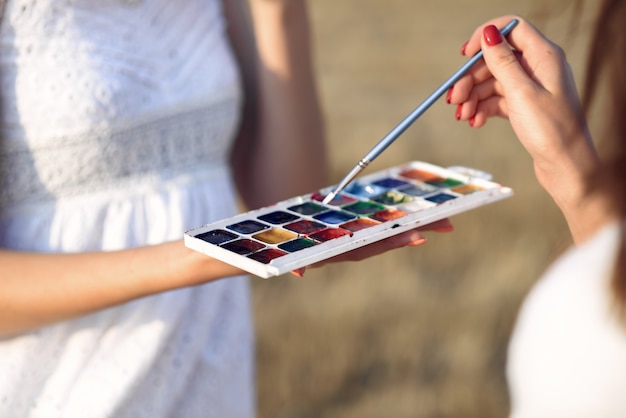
412,117
419,110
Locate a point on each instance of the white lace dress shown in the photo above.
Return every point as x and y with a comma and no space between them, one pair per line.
116,122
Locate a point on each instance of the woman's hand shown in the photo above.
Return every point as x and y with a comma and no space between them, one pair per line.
531,85
529,81
411,238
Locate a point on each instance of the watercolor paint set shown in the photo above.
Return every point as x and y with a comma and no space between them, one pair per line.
302,230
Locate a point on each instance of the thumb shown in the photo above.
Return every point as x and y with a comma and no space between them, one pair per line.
501,60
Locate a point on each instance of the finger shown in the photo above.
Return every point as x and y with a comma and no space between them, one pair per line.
473,45
462,88
443,225
480,92
501,60
524,37
299,272
494,106
479,74
409,238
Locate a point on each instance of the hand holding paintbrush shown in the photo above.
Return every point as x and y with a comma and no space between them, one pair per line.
412,117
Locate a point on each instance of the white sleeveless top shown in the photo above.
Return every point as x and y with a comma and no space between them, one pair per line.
117,118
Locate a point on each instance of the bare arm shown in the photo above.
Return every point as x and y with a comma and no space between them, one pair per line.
280,150
39,289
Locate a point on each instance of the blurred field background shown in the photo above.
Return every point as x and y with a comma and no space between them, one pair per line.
419,332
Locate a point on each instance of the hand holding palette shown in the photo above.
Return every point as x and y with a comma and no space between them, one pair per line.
302,230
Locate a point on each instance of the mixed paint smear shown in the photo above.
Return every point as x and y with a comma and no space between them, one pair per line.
277,233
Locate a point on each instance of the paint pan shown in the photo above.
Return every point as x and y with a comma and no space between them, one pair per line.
301,231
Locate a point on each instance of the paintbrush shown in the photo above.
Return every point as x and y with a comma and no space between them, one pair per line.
412,117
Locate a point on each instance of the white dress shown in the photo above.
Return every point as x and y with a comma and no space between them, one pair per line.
567,356
117,118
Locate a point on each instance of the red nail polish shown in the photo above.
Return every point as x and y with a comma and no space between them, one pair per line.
417,242
449,96
458,111
492,35
299,272
472,121
463,48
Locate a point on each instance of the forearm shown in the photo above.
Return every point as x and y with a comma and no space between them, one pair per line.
584,210
38,289
282,153
565,177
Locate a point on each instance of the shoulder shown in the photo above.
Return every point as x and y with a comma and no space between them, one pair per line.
567,355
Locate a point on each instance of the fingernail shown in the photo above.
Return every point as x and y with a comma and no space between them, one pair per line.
463,48
417,242
472,120
458,111
492,35
449,96
299,272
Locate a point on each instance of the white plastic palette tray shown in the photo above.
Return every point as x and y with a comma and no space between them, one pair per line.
301,231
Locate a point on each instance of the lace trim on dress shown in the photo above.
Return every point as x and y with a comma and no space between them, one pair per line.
104,158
